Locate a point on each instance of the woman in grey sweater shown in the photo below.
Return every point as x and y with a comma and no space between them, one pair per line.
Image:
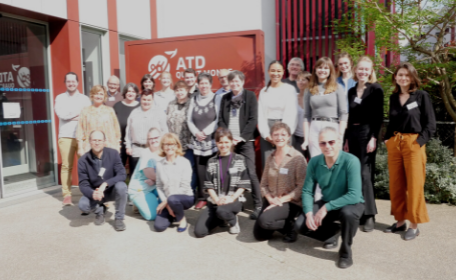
325,105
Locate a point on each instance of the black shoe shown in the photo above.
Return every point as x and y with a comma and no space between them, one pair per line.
119,225
331,244
99,219
345,262
394,228
411,234
255,214
290,236
369,225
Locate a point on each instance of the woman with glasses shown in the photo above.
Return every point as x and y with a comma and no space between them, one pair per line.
139,122
281,185
226,180
174,174
142,187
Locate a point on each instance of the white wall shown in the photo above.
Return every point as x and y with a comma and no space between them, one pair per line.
56,8
94,12
133,18
268,25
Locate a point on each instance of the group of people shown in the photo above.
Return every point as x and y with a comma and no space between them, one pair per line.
187,146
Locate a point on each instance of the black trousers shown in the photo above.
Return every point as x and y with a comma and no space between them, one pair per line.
280,218
201,166
357,145
247,149
348,216
297,142
214,215
133,162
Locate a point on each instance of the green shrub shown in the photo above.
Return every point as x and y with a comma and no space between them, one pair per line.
440,185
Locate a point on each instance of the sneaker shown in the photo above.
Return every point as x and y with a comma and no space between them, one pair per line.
236,228
119,225
255,214
99,219
67,201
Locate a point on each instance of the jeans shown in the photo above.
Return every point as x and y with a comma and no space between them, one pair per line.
191,157
147,203
117,193
178,203
214,215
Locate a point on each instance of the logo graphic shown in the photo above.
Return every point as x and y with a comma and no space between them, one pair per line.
23,77
159,64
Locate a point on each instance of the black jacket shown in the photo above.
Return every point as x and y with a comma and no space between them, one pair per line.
248,115
88,171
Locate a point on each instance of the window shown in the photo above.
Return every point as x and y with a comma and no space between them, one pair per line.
92,65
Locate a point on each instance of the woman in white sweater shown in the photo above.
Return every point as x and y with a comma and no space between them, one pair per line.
277,103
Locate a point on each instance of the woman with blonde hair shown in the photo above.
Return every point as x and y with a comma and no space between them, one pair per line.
142,188
364,123
324,105
98,117
344,63
174,175
163,97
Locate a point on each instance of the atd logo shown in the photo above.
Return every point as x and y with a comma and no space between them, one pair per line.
160,63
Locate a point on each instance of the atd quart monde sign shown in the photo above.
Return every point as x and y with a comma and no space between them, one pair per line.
243,51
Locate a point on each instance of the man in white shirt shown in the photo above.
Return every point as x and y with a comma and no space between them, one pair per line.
223,79
114,95
68,106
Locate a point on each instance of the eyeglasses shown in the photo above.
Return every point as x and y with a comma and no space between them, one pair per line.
97,140
169,144
331,143
112,84
155,138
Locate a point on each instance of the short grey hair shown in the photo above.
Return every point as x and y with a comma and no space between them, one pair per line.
327,129
234,74
298,59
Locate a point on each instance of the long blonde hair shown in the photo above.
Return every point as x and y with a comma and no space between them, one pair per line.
372,76
331,83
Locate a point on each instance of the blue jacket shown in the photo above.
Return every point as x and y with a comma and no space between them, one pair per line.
351,83
88,170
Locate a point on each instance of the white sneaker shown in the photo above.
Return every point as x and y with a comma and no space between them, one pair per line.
236,228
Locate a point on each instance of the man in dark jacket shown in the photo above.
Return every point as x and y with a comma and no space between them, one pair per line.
102,179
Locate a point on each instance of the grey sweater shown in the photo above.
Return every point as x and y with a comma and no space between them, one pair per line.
331,105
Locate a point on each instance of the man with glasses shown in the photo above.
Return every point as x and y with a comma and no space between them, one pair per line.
102,179
339,175
223,79
114,95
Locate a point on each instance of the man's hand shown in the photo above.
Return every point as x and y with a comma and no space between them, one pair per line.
321,214
161,206
97,195
269,140
129,151
310,222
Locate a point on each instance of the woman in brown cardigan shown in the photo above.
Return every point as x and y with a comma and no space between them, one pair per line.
281,185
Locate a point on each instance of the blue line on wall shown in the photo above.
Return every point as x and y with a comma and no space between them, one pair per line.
24,122
26,89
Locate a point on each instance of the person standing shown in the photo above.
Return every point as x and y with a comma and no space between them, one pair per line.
276,103
176,119
411,125
190,80
123,110
174,174
101,179
68,107
147,83
295,66
202,121
226,180
98,117
344,63
302,81
166,94
114,95
364,123
239,113
223,79
139,122
339,176
281,185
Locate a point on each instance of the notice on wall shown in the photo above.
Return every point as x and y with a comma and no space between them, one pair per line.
11,110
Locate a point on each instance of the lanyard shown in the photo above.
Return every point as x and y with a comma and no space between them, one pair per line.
221,168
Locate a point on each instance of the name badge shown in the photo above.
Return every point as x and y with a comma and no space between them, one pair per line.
412,105
112,98
233,170
358,100
284,171
102,171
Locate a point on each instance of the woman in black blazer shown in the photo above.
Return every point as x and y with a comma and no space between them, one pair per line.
238,113
364,123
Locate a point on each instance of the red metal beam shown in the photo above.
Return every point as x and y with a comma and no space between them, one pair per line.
284,36
278,22
308,34
295,21
326,23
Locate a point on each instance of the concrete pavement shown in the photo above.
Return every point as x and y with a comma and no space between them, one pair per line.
41,240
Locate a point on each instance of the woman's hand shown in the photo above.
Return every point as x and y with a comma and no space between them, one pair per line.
170,211
150,182
346,146
80,152
129,152
273,201
269,140
200,136
304,145
285,199
372,145
161,206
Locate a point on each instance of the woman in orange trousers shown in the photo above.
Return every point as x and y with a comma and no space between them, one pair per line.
412,124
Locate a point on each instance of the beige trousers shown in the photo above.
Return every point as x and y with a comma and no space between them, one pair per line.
68,148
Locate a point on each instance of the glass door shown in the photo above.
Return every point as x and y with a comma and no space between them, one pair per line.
25,117
91,59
